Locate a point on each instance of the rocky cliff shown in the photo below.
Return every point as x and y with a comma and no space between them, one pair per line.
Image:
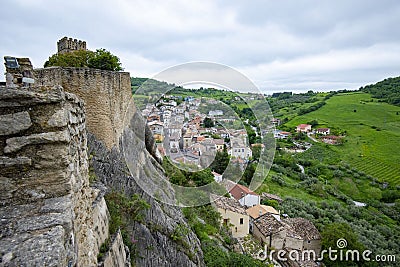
50,214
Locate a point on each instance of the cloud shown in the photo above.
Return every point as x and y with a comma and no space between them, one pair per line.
279,44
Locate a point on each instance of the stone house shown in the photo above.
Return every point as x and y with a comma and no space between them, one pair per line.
331,139
233,215
240,151
175,128
219,144
270,231
259,210
311,238
291,233
157,129
174,143
187,140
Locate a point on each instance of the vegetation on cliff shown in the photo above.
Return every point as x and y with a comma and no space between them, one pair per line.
123,210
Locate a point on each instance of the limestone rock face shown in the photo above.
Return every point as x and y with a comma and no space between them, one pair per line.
161,219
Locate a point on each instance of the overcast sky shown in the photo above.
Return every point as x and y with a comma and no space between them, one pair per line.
280,45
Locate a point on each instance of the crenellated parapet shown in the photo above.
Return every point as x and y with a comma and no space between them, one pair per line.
66,45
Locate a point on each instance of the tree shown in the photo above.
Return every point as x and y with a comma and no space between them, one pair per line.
77,59
220,162
104,60
201,177
208,122
313,123
233,172
249,172
256,151
174,174
100,59
330,236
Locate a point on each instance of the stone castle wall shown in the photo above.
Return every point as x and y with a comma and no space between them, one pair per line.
49,215
48,212
106,95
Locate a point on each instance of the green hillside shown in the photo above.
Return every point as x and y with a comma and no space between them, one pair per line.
387,90
372,129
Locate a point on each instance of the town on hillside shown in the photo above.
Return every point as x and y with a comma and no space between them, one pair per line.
188,136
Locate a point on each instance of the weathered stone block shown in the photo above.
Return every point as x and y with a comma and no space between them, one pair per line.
14,123
59,119
20,161
16,143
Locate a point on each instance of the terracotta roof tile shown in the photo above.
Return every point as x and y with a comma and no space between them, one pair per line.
259,210
227,204
238,191
304,228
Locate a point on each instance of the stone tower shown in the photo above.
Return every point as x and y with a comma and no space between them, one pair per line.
66,45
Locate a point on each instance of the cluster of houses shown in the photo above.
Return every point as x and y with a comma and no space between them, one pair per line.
244,215
180,133
324,134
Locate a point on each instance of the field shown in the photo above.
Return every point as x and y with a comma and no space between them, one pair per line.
372,129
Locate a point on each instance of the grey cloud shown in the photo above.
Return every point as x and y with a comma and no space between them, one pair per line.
277,43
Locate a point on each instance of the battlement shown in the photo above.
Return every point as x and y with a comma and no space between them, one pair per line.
66,45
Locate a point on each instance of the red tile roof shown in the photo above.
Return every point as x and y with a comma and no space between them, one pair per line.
238,191
303,126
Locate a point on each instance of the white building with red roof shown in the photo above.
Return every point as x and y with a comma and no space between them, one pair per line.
303,128
244,195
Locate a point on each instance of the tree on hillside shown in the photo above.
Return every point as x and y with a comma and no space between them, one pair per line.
100,59
313,123
220,162
208,122
339,231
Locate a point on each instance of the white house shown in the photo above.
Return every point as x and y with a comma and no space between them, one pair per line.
244,195
303,128
278,134
217,177
216,112
324,131
175,128
242,152
156,127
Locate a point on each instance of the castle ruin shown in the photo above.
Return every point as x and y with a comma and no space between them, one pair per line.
66,45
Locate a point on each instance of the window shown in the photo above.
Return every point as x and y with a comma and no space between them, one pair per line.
241,220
